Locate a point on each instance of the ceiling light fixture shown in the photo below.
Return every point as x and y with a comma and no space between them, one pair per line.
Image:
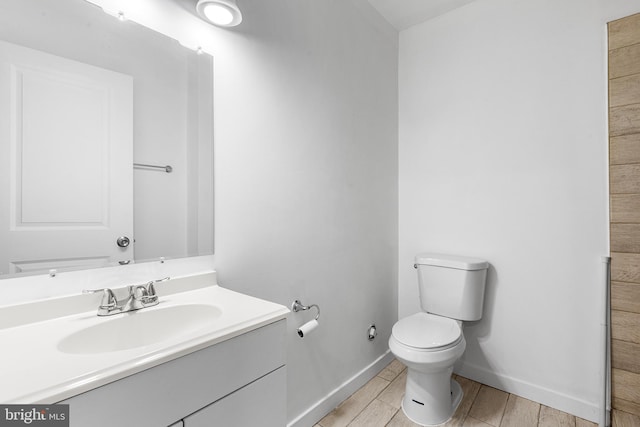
223,13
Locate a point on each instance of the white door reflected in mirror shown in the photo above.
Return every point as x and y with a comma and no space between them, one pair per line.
67,162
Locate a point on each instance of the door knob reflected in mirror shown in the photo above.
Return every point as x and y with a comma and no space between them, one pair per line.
123,241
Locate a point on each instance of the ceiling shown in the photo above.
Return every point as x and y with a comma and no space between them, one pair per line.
403,14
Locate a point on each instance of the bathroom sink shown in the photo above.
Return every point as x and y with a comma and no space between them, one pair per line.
139,328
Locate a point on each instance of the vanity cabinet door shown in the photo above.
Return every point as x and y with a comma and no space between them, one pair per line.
261,403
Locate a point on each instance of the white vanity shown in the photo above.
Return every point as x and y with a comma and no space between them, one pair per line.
204,356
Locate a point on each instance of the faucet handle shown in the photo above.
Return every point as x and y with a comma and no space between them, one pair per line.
108,297
151,289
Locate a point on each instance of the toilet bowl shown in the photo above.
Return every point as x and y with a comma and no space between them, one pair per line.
429,346
430,342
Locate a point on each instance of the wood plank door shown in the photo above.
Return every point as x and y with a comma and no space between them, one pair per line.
66,175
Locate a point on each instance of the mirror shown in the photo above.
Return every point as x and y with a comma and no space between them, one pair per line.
84,97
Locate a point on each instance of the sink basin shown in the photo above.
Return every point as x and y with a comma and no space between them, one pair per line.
139,328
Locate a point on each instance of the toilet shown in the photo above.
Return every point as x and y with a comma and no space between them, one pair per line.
451,291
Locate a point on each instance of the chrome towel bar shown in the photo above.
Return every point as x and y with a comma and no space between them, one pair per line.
166,168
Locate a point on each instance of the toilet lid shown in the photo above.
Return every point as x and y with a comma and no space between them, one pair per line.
423,330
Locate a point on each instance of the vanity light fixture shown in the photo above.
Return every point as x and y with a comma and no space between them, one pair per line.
223,13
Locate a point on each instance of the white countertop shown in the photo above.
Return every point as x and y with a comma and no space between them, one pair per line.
33,370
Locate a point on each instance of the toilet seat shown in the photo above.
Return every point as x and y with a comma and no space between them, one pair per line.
427,332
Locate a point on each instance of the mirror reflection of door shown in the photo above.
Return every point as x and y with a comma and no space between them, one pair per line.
66,138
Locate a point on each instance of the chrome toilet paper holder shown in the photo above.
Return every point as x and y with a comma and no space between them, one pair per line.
298,306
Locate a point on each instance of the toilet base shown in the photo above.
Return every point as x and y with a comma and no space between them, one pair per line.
433,405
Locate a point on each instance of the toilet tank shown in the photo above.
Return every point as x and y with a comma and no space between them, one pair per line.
451,286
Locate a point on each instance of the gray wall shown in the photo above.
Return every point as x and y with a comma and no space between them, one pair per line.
306,178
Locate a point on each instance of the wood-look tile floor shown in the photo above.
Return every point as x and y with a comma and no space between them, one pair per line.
377,404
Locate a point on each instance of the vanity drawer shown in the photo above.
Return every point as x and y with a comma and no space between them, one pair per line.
164,394
256,404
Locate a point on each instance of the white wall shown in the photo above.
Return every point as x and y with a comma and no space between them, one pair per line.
503,155
306,180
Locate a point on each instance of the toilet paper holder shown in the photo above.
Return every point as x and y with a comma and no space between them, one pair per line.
298,306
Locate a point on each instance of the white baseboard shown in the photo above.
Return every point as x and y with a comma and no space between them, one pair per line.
346,389
570,404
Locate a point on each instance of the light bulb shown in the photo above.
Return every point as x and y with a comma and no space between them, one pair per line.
218,14
224,13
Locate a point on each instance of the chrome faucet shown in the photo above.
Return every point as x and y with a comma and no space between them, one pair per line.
140,296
